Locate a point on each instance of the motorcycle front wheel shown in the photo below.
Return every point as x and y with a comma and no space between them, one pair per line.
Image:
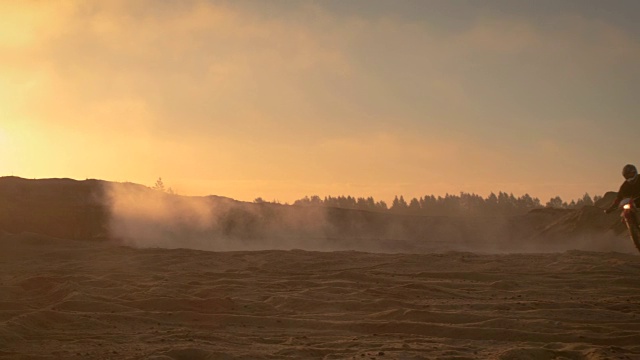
634,232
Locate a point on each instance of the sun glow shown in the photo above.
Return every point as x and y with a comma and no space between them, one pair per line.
224,98
4,140
6,151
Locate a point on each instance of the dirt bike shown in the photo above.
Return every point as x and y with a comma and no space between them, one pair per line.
630,218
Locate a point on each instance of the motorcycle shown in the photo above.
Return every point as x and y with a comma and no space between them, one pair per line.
630,218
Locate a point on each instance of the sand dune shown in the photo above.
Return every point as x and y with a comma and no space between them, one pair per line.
64,299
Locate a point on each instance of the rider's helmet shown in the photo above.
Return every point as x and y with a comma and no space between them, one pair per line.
629,172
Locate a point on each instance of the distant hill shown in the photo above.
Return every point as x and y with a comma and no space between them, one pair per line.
137,215
62,208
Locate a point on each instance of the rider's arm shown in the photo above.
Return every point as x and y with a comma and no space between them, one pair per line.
618,198
614,205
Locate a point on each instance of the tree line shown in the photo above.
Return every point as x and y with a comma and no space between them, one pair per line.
450,205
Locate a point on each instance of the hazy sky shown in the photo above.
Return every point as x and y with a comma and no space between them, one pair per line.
282,99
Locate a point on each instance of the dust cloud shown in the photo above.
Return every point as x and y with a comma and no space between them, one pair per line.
142,217
608,241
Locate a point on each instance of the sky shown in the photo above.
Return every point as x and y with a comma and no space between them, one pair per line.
284,99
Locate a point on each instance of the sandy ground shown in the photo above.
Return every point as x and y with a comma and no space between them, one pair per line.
64,299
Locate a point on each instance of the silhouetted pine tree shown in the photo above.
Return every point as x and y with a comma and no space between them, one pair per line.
399,204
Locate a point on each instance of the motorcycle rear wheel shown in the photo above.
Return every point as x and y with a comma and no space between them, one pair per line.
634,233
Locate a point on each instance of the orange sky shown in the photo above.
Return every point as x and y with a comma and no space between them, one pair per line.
281,100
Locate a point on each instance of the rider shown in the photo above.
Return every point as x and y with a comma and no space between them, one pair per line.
630,189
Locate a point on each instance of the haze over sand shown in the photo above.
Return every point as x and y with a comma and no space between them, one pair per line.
408,297
141,217
63,299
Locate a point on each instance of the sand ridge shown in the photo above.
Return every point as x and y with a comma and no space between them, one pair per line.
70,299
